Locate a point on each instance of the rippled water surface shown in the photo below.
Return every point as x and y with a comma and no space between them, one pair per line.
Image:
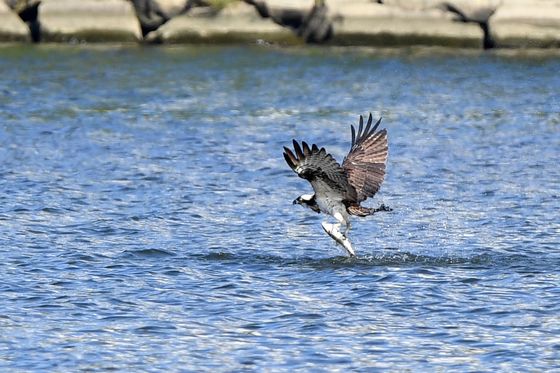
146,217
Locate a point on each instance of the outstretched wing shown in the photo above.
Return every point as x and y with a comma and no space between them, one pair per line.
320,169
365,163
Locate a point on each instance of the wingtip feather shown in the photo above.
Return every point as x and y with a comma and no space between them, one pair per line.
377,125
368,126
306,149
297,148
361,127
290,158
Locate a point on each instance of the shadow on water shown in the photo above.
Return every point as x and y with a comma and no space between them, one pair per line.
390,257
149,253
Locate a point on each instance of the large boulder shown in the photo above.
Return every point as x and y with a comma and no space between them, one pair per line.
89,21
396,23
528,23
512,23
238,22
12,28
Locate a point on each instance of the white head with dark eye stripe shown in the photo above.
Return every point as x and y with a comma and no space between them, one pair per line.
308,200
304,199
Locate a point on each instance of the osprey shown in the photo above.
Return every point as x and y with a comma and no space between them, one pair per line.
339,190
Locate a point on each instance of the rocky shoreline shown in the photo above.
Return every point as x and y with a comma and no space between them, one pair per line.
470,24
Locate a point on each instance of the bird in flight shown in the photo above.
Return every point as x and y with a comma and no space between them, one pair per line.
340,189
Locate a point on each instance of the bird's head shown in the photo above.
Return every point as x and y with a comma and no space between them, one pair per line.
305,200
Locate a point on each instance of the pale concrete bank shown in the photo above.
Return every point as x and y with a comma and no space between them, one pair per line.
515,23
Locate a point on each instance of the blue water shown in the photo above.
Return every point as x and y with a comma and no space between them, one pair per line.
146,217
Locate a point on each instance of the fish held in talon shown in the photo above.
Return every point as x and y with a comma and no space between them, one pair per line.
340,189
342,240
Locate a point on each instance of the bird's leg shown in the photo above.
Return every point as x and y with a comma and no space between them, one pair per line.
338,216
347,229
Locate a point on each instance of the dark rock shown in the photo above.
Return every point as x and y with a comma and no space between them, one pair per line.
314,26
28,11
480,16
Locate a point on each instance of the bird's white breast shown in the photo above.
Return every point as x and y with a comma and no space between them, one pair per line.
329,200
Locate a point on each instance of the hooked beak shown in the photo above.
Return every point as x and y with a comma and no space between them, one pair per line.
296,202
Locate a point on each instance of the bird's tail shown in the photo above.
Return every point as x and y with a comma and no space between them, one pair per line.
362,211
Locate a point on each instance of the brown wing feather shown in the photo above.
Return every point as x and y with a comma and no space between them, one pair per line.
314,164
365,163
